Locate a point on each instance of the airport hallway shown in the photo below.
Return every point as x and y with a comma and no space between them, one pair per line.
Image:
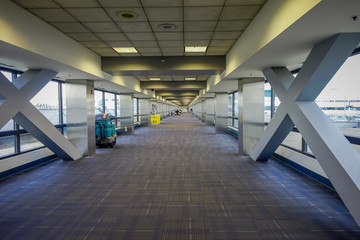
177,180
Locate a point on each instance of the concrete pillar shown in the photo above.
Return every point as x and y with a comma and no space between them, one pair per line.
145,111
80,115
251,113
202,110
126,114
210,111
221,114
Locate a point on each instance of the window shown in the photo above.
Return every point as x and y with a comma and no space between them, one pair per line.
99,101
136,110
267,103
50,101
233,109
110,103
47,102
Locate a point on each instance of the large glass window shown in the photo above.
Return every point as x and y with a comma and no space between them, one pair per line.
340,99
47,102
99,102
233,107
7,74
110,103
136,110
267,103
13,138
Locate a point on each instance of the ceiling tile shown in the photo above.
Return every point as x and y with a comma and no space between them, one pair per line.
100,27
202,26
89,14
162,3
78,3
94,44
111,36
173,49
134,26
144,43
130,55
227,35
171,43
105,52
178,77
198,35
140,36
36,4
53,15
245,2
188,3
139,11
239,12
148,50
122,3
237,25
119,43
196,42
166,78
155,26
217,50
151,54
169,54
202,13
169,35
222,43
83,36
70,27
165,14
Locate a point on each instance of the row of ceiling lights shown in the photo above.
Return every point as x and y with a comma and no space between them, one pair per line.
193,49
159,79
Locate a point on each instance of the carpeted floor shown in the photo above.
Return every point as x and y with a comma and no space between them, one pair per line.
177,180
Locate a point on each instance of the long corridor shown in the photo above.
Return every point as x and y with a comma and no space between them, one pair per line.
176,180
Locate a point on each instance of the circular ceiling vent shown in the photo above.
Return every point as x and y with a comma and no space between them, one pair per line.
127,15
167,26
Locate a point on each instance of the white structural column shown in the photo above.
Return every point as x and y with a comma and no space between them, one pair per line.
15,104
145,112
202,110
250,113
126,114
337,157
221,113
80,115
210,111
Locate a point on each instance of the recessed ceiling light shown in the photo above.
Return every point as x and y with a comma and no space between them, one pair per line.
190,78
154,79
167,26
196,49
125,49
126,15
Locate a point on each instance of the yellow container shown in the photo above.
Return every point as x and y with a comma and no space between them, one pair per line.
155,119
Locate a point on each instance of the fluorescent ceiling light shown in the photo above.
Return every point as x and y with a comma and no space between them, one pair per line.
190,78
125,49
154,79
196,49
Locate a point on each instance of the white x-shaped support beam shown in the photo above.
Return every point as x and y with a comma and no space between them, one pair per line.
339,160
15,104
